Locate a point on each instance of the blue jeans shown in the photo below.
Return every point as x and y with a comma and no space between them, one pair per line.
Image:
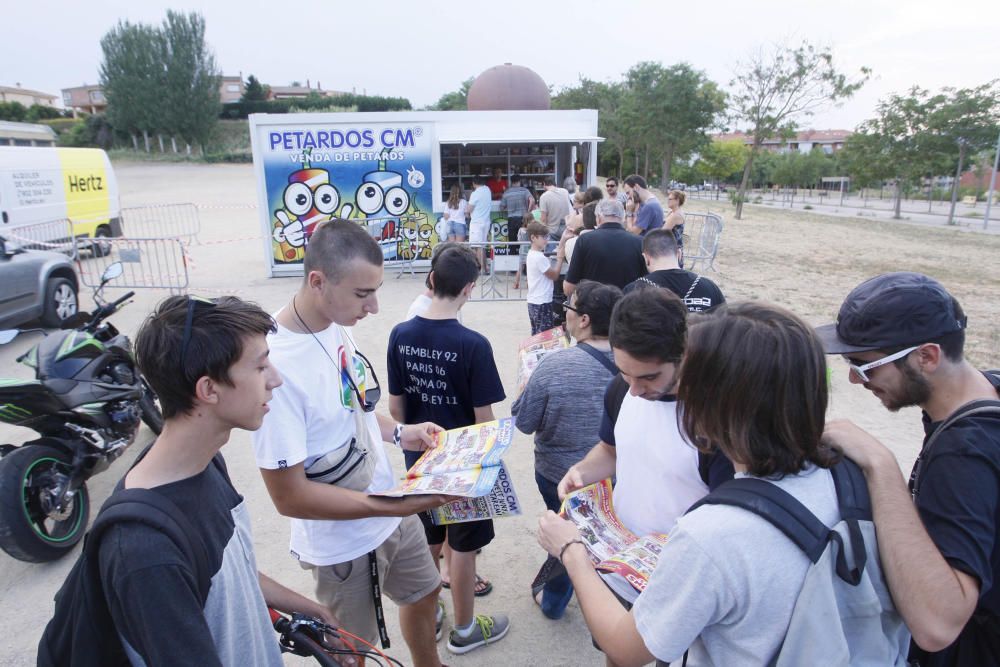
558,591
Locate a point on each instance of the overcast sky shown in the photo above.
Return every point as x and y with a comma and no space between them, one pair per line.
420,50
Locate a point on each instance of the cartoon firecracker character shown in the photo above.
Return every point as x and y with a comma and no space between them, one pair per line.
308,200
415,237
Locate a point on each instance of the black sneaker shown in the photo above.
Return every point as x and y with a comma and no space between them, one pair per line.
488,630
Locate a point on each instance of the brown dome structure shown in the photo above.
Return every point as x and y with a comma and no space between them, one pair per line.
509,87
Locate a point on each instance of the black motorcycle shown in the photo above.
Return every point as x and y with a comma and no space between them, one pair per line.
86,402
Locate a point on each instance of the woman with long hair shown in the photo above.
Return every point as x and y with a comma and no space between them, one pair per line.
455,214
675,221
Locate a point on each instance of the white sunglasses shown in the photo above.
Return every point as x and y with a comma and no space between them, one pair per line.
860,371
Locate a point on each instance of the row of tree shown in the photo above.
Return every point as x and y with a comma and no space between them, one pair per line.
658,116
19,113
161,80
919,135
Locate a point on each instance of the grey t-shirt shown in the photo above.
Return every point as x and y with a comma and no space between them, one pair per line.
562,405
555,204
727,581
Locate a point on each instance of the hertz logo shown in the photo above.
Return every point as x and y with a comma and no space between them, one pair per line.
85,183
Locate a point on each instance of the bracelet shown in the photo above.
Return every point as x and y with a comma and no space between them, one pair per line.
562,551
397,435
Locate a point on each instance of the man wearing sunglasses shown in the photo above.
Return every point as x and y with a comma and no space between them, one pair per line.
321,456
903,335
615,191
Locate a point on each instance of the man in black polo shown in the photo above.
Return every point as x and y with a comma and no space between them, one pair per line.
609,254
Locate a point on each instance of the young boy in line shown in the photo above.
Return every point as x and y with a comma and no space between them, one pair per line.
208,363
443,372
541,278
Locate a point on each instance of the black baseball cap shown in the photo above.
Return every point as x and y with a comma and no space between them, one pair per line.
890,310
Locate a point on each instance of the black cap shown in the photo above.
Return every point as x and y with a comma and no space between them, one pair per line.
890,310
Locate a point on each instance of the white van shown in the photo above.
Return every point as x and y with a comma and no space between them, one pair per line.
49,184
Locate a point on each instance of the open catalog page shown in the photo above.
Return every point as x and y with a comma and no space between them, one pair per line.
531,350
500,502
464,462
612,546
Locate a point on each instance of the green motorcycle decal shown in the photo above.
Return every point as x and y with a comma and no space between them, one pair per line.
76,341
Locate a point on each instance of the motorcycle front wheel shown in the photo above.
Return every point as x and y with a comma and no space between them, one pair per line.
149,408
31,528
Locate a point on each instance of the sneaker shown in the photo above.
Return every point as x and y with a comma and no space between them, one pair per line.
439,621
488,630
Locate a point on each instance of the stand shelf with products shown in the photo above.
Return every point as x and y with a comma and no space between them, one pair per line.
533,162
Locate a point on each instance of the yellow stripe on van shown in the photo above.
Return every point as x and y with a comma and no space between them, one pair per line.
88,192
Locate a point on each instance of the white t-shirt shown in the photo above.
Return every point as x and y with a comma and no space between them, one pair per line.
727,581
481,202
539,285
657,471
311,415
456,214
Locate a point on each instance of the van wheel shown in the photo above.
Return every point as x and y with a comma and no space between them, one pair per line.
101,248
60,302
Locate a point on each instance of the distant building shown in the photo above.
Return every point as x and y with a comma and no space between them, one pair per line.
84,99
829,141
231,88
301,92
26,96
26,134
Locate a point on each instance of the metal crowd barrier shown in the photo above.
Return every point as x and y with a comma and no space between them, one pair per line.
147,262
162,221
701,239
55,235
503,262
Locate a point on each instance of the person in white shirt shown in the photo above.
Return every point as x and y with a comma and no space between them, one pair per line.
454,215
320,451
541,279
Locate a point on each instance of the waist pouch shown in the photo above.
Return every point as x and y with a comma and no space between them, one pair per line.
350,467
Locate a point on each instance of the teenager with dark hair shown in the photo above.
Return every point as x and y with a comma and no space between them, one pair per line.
321,456
659,474
903,335
727,580
660,250
443,372
561,405
208,362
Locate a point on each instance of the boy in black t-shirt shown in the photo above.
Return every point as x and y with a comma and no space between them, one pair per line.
443,372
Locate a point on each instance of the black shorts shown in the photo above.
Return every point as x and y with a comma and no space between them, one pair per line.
462,537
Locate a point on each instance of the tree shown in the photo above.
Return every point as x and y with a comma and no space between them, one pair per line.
967,122
255,91
720,160
191,91
674,107
14,111
898,144
774,90
40,112
457,100
132,77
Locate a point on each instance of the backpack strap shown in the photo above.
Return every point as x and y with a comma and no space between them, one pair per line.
599,356
983,406
159,512
801,526
776,506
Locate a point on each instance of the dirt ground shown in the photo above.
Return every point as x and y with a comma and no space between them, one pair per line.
803,261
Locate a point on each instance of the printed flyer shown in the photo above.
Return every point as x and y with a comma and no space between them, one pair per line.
464,462
531,350
377,174
612,547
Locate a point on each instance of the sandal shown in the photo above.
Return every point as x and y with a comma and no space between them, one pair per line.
483,586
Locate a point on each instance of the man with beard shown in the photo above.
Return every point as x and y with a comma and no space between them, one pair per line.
903,335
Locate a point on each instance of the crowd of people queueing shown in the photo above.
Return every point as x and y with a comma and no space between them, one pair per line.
668,390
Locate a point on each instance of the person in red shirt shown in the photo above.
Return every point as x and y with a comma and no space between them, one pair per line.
497,184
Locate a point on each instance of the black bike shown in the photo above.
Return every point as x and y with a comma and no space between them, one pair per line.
86,402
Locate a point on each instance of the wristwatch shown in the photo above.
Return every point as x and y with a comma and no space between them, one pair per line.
397,436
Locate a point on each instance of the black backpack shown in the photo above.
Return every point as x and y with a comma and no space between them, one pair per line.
82,632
